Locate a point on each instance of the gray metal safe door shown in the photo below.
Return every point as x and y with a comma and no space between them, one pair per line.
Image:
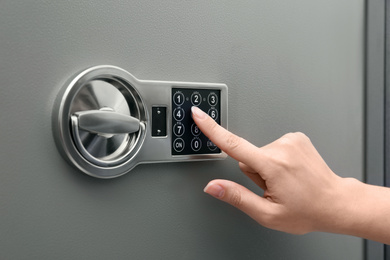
288,65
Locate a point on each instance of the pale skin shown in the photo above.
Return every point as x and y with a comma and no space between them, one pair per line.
301,193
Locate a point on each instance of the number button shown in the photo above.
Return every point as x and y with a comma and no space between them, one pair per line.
179,129
178,114
195,130
213,113
196,99
212,99
196,144
178,145
178,98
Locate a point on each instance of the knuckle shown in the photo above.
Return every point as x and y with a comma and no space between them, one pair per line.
287,140
236,198
302,137
289,148
292,139
233,141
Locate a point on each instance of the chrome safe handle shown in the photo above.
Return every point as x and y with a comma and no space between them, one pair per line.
106,122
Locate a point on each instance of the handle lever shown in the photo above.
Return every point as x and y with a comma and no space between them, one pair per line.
106,122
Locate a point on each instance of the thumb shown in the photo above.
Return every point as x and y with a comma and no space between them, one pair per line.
240,197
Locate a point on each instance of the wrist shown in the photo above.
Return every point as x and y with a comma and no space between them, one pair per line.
343,206
366,211
359,209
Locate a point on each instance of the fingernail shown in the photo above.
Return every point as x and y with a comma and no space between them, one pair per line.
214,190
198,112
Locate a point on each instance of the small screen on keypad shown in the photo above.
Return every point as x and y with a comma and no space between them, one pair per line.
186,136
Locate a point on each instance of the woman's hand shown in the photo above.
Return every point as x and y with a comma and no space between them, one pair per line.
301,193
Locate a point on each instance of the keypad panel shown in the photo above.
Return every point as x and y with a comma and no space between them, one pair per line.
187,139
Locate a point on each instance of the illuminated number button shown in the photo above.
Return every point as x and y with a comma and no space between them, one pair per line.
178,98
196,99
211,145
213,113
178,145
196,144
195,130
178,129
212,99
178,114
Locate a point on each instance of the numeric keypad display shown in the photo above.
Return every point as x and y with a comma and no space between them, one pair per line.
186,136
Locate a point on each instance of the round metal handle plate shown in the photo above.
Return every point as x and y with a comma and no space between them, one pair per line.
100,121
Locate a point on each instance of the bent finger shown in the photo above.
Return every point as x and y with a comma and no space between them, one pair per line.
240,197
253,175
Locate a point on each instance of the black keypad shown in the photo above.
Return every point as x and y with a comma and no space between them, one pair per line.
186,136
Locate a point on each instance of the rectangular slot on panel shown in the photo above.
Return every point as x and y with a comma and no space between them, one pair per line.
159,121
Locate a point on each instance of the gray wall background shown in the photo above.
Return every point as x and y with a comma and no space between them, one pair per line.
289,65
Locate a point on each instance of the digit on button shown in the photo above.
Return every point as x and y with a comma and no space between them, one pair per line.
212,99
195,130
196,144
178,98
213,113
178,129
196,99
178,114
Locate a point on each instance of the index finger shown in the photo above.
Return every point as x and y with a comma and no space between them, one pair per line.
235,146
